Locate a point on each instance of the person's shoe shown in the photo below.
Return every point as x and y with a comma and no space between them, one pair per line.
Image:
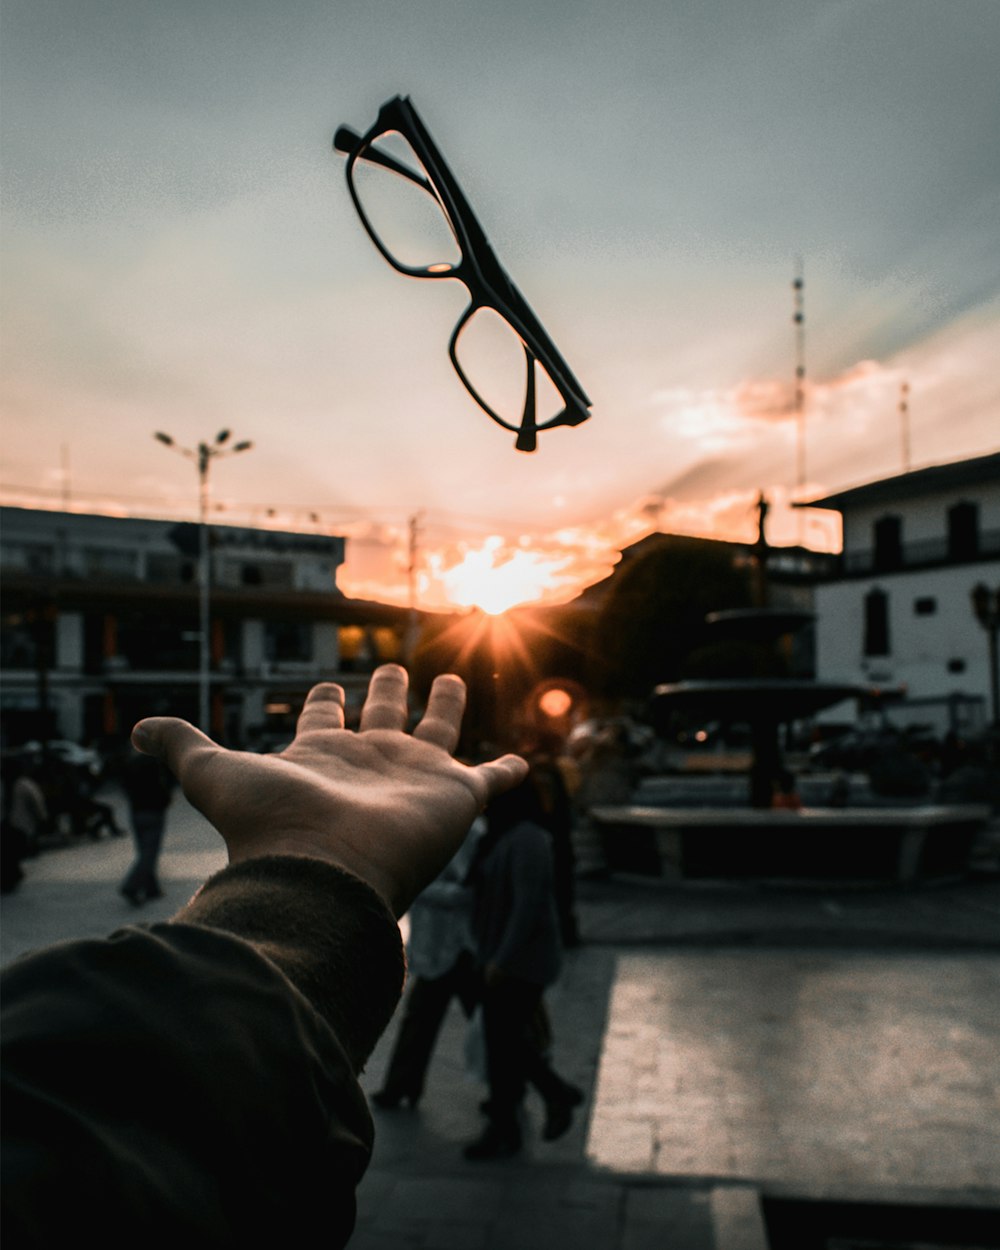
495,1142
134,896
559,1112
389,1099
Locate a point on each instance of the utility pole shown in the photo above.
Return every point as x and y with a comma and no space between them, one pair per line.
203,457
411,577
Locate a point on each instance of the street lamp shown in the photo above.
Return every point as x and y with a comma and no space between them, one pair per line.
986,606
203,457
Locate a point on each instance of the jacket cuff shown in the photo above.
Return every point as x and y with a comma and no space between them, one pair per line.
328,931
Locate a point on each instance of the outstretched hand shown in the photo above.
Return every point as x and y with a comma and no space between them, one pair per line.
388,806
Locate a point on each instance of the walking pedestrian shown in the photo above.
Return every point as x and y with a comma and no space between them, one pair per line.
517,936
148,787
440,966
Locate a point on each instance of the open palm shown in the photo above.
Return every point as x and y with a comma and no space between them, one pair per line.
386,805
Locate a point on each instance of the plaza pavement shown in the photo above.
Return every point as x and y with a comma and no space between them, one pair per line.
733,1041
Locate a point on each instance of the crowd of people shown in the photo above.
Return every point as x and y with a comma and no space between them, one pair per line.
49,801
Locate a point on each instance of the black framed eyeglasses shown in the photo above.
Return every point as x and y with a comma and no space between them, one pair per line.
419,219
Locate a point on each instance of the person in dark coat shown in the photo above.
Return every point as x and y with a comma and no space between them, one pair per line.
148,787
517,935
195,1083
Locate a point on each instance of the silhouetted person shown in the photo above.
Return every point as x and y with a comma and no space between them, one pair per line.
517,939
557,817
148,786
440,966
27,817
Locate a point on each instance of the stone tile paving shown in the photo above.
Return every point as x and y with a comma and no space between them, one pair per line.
835,1069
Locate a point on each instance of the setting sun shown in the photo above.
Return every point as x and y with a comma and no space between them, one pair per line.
495,576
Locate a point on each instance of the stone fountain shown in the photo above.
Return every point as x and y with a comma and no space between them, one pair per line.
899,843
763,703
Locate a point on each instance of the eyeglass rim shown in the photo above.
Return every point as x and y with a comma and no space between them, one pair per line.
571,414
400,115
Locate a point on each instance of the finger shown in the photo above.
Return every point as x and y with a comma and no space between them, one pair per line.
175,742
502,774
441,723
323,709
385,705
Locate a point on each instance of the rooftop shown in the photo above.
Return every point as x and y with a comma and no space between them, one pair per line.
956,475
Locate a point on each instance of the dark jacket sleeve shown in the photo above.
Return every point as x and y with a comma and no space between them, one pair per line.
194,1083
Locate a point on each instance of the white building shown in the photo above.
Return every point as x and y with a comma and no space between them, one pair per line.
100,625
899,612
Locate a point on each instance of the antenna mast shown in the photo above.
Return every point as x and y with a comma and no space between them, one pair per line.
904,423
799,321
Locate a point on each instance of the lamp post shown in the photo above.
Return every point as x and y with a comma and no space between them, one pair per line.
203,457
986,606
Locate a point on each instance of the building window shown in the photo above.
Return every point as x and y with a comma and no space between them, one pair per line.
147,641
272,574
38,558
925,606
956,666
27,639
876,641
963,531
169,569
110,562
888,543
288,641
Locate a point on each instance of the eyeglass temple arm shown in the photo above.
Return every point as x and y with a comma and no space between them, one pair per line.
348,141
527,437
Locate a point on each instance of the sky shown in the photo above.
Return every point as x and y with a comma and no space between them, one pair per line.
180,253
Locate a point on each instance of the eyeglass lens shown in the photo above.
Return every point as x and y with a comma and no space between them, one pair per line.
408,219
492,358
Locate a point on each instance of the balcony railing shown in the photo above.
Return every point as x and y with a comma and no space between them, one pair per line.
927,552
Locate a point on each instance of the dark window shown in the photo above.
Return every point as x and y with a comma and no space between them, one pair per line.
288,640
273,574
37,558
876,623
27,639
956,666
150,640
925,606
169,569
888,543
963,531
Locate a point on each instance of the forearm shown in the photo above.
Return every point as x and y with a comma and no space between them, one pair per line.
197,1078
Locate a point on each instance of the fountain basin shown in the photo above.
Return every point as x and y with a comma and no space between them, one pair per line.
904,845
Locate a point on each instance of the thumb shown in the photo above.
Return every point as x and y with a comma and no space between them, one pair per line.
502,774
176,742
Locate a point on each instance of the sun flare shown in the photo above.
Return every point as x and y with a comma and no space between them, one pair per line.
495,576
